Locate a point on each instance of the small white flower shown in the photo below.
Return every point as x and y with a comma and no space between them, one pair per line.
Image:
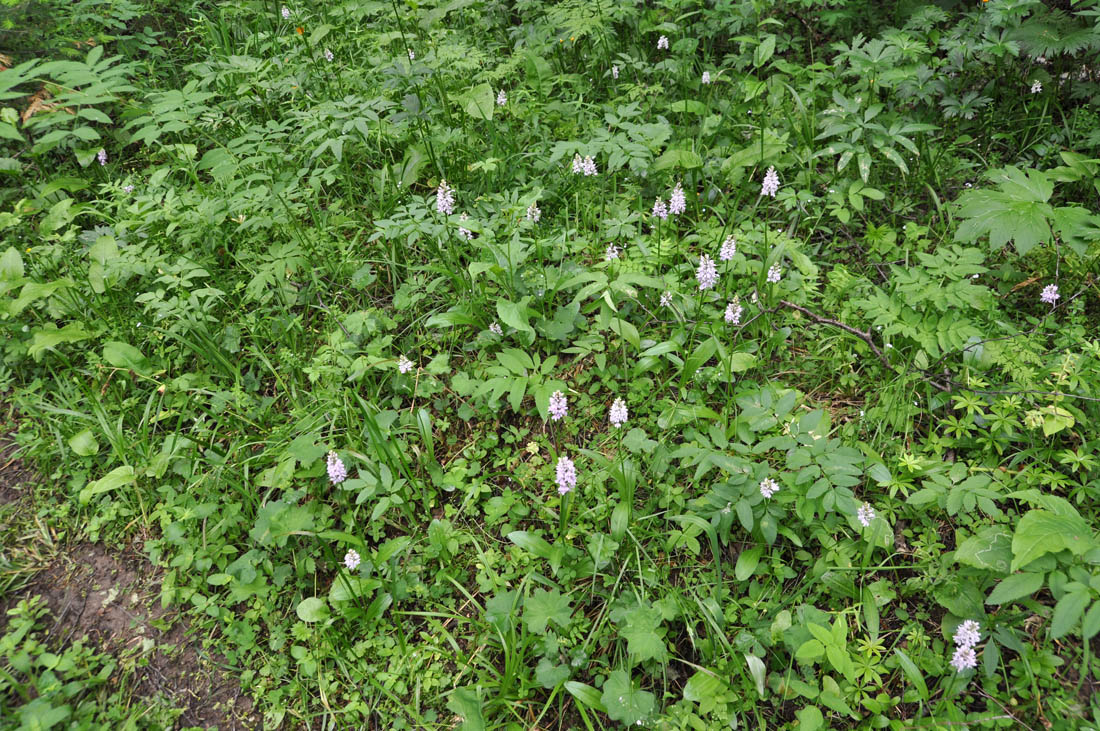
611,253
968,634
660,210
329,56
412,56
964,659
496,329
706,77
614,72
707,273
618,414
774,274
404,365
662,43
589,166
502,98
351,559
101,156
677,202
768,487
770,186
1036,86
865,514
285,13
533,213
733,311
729,248
1049,295
666,299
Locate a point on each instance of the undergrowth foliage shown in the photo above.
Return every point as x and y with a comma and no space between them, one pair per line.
571,365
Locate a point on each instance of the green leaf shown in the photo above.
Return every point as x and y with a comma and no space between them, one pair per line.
989,549
346,588
1018,211
530,542
624,701
1015,587
543,607
1091,626
83,443
312,609
1068,611
464,702
704,688
1041,532
912,673
515,314
549,675
479,102
586,694
685,159
747,562
50,337
123,355
113,480
757,671
11,265
810,718
644,635
764,51
305,449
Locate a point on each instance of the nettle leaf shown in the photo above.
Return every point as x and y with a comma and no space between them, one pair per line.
1041,532
624,701
543,607
1018,211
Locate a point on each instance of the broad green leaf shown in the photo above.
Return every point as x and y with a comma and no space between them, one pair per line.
1015,587
123,355
83,443
312,609
1091,624
757,671
479,102
346,588
515,314
543,607
685,159
116,478
747,562
531,542
464,702
11,265
624,701
810,718
644,635
1068,611
990,549
586,694
764,51
704,688
1041,532
50,337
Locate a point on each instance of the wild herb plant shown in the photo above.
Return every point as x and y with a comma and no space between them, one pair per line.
576,364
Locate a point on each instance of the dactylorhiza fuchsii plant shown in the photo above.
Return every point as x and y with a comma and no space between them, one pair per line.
444,199
734,311
706,78
585,166
865,515
775,273
728,250
677,202
351,559
662,43
707,273
618,415
967,636
768,487
404,365
770,186
1049,295
559,406
612,252
337,472
660,210
502,98
496,329
533,213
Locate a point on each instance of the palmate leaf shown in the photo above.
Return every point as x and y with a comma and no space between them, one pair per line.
1018,211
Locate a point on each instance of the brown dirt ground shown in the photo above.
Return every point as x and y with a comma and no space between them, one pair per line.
111,597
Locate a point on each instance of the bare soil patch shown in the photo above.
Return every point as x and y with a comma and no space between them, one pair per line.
111,597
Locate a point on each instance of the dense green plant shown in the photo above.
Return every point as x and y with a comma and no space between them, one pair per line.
331,304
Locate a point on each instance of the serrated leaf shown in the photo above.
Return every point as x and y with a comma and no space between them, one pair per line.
641,628
543,607
624,701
